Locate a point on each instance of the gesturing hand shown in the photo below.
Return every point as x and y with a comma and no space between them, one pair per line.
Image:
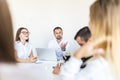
63,46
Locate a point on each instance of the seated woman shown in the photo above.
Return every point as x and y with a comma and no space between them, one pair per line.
22,46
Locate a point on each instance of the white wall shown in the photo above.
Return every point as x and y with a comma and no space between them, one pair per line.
41,16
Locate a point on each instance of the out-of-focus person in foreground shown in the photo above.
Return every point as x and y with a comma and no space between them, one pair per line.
104,46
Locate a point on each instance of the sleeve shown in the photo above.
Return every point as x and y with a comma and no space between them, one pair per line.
31,48
96,70
50,44
70,69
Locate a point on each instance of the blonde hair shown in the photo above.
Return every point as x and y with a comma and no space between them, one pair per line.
98,21
114,24
105,21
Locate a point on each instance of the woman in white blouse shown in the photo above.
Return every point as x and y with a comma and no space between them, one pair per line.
23,47
104,46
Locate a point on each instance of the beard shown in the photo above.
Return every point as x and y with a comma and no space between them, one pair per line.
58,37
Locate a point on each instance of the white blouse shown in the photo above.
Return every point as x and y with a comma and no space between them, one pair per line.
23,51
97,69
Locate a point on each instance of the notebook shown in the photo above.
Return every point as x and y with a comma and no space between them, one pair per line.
46,54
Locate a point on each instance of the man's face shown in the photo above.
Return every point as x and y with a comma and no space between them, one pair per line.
58,34
80,41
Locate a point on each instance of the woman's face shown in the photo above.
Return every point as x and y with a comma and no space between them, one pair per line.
24,35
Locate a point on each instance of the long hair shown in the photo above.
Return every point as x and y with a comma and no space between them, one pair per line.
19,32
98,22
105,22
6,35
114,23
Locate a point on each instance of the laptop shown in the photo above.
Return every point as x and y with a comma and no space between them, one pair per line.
46,54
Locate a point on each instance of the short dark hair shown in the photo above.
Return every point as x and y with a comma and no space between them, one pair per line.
57,28
84,33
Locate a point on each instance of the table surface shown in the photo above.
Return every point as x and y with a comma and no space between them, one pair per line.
42,70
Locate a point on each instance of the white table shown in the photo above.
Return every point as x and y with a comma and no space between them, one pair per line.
41,70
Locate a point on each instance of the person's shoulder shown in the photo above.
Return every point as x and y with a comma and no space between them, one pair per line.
97,64
28,44
103,67
17,42
99,61
64,39
52,40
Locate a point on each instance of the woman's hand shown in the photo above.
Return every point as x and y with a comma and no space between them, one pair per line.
32,59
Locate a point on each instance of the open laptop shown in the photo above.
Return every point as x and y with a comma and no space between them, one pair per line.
46,54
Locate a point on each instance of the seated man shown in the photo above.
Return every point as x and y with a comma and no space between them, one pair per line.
82,37
59,44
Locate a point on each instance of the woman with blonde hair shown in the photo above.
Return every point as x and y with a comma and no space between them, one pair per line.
104,47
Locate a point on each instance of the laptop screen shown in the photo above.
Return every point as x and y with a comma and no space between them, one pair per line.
46,54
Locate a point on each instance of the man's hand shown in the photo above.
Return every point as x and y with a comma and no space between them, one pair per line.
63,46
